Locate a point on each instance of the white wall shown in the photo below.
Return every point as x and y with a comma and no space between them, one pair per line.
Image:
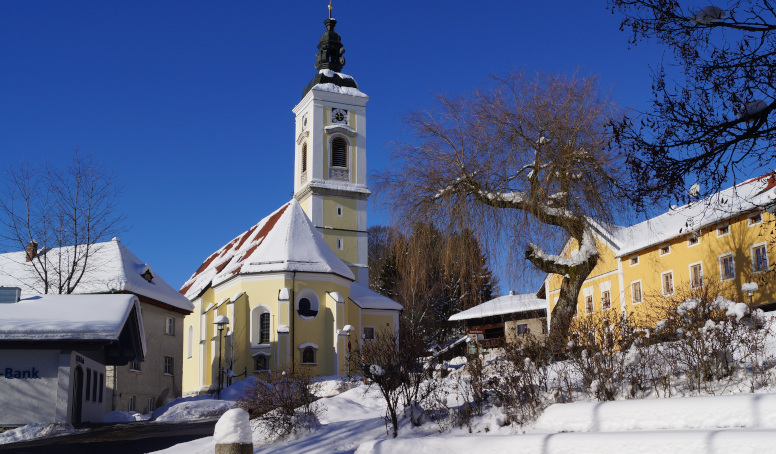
32,398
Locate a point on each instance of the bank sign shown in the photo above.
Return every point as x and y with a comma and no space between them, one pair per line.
10,373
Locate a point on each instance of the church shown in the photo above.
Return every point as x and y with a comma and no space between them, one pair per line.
292,290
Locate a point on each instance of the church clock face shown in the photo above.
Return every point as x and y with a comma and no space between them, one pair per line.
339,116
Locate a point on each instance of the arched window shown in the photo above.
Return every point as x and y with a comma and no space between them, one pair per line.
339,152
308,355
304,157
260,325
264,328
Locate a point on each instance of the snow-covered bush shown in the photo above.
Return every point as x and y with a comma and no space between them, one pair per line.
396,364
520,384
284,403
595,352
708,337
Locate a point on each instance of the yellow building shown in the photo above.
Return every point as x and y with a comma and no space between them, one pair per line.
291,285
725,238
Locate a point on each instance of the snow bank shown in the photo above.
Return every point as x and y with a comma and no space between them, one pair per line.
233,427
189,410
753,411
125,416
236,390
676,442
35,430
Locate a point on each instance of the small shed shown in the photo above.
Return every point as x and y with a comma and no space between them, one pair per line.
54,349
506,319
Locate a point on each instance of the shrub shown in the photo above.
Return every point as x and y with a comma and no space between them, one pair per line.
284,402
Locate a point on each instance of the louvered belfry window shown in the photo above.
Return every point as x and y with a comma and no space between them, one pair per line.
304,157
339,152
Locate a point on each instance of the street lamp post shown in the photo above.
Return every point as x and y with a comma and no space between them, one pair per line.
347,330
221,321
750,288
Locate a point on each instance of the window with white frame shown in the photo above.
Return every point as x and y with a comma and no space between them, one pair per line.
308,355
339,211
696,275
587,294
589,304
667,282
727,267
665,249
134,366
151,406
634,260
755,219
636,295
307,304
339,243
260,325
169,326
169,365
723,229
606,300
339,152
368,333
260,363
131,403
693,240
759,258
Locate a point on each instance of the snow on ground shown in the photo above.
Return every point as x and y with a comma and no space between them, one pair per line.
125,416
36,430
353,421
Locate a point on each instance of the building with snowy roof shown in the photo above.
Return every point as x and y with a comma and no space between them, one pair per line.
724,238
111,268
54,350
293,287
506,319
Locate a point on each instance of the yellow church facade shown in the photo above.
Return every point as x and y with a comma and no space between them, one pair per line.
724,240
292,289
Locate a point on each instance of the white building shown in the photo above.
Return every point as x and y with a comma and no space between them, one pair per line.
54,350
112,268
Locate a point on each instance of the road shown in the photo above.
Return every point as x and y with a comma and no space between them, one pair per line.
131,438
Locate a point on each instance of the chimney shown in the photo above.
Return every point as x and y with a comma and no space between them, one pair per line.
32,250
511,292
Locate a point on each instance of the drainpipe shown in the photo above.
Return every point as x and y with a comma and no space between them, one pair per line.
292,315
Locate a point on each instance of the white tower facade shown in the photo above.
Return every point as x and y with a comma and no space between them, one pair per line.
330,156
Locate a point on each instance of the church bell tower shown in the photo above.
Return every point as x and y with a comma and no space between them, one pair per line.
330,154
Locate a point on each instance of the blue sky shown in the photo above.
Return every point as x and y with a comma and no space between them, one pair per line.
190,102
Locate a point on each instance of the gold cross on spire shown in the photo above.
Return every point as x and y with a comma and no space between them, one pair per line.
329,9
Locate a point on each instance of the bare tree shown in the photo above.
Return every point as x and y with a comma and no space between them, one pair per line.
432,274
58,216
715,122
522,163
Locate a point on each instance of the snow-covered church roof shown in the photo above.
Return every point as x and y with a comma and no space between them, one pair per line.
285,240
111,268
507,304
757,193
